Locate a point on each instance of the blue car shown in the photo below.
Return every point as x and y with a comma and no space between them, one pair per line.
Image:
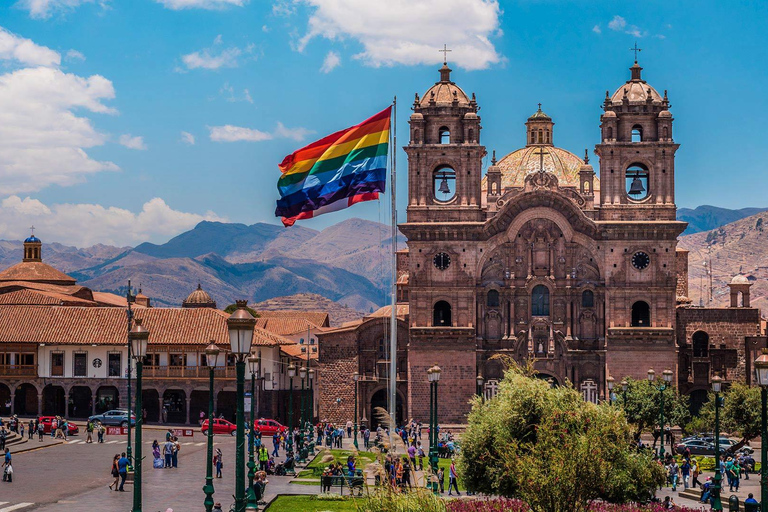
117,417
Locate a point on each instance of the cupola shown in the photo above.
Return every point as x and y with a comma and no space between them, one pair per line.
33,248
539,129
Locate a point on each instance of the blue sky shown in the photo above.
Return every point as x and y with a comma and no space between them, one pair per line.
124,121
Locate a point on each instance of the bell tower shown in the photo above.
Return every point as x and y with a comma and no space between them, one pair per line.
637,153
444,155
33,248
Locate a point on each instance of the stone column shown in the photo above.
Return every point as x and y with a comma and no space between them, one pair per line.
160,408
93,402
39,404
66,403
189,402
13,401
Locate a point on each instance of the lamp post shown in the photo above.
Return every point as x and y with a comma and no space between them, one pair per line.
716,504
624,386
480,381
433,376
311,407
240,325
303,377
761,368
291,375
211,361
129,299
138,337
253,365
666,380
610,381
355,377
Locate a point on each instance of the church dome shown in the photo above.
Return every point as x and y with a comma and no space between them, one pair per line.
445,93
199,298
739,279
32,240
636,90
519,164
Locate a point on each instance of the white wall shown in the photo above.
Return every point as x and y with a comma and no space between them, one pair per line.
92,353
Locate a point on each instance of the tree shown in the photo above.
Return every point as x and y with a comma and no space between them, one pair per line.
550,448
233,307
643,405
739,412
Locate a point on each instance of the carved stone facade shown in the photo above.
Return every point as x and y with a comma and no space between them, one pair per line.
539,260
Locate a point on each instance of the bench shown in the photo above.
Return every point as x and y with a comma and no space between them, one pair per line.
354,483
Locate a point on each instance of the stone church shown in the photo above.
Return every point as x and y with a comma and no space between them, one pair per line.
538,260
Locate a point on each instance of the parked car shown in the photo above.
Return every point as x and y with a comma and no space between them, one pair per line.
268,427
696,446
47,421
114,417
219,427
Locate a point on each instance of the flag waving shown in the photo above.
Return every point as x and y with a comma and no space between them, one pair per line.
337,171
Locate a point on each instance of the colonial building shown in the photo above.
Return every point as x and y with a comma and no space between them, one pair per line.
63,350
538,260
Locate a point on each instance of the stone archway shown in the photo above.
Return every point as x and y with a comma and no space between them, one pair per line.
380,399
150,402
5,399
226,404
80,402
175,406
198,402
54,400
107,398
25,400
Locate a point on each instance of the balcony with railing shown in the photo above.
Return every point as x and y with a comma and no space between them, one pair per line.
18,370
187,372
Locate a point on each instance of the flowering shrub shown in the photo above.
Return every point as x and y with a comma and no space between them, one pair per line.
512,505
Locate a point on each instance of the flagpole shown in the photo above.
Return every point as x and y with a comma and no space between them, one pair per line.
393,318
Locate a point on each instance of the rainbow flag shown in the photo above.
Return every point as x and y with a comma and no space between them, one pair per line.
337,171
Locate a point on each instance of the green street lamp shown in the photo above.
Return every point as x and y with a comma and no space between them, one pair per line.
609,382
240,325
303,377
254,363
433,376
138,336
624,387
761,369
311,406
355,377
666,381
480,381
211,361
716,486
291,375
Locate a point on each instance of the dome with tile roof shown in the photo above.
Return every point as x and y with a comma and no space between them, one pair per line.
199,298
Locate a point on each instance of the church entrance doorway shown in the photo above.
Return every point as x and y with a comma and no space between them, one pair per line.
379,400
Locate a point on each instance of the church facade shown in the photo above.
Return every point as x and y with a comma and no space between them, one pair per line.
539,260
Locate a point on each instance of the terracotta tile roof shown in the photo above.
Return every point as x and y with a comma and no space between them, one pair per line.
72,325
109,299
284,326
402,311
294,350
29,297
317,318
35,271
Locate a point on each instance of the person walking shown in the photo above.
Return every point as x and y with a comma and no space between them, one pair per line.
673,472
122,469
7,467
219,462
40,431
453,479
263,458
89,432
685,472
100,433
695,472
115,472
31,430
441,479
168,452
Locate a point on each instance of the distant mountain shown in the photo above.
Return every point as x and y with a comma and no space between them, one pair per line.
738,247
706,217
337,313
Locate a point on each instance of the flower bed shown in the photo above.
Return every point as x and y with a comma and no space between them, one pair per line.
511,505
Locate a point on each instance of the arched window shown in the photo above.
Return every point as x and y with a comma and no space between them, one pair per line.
637,133
541,136
609,133
540,301
382,349
636,178
441,315
445,135
416,136
533,137
700,341
493,299
641,314
666,132
587,299
444,184
471,135
546,134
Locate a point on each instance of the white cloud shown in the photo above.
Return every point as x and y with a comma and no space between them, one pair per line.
407,32
201,4
24,51
42,139
188,138
132,142
283,8
617,23
331,62
109,225
74,55
229,133
214,57
42,9
596,29
229,94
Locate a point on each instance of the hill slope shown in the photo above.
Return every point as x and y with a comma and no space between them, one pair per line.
706,217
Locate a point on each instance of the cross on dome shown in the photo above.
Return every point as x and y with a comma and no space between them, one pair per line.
636,50
445,51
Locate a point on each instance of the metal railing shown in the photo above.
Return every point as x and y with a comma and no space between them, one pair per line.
19,370
188,372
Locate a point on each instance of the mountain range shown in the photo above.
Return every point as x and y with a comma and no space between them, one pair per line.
347,263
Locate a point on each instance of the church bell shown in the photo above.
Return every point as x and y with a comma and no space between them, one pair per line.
444,188
637,187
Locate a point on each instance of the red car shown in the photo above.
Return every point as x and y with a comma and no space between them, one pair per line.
219,427
268,428
48,420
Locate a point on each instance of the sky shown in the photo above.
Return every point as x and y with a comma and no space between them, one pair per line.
124,121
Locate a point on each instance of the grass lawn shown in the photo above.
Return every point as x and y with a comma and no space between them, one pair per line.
310,504
315,468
